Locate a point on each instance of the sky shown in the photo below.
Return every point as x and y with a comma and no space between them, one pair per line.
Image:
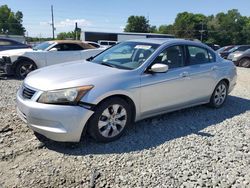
110,15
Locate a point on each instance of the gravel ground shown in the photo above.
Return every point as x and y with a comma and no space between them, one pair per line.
196,147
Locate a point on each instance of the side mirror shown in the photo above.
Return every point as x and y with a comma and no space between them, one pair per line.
159,68
53,50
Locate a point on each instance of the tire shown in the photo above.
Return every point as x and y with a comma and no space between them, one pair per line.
219,95
23,68
245,62
110,120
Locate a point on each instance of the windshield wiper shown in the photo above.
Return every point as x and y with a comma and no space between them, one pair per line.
109,65
90,58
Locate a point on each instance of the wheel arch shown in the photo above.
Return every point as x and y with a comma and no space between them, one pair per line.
127,99
20,58
122,96
225,80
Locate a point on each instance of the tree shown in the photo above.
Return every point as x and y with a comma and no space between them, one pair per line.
10,22
222,28
138,24
229,28
69,35
166,29
66,35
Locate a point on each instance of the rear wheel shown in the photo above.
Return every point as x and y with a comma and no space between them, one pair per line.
245,62
219,95
23,68
110,120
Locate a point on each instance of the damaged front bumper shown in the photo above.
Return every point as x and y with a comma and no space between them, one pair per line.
6,66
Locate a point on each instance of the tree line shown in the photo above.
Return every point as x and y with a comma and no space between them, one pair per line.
222,28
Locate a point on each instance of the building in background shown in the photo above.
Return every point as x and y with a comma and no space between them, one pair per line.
107,36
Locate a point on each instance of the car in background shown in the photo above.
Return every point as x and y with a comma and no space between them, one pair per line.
96,45
8,44
213,46
224,49
20,62
107,43
241,59
128,82
237,48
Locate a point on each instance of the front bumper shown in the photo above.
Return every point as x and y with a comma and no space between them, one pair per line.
6,66
56,122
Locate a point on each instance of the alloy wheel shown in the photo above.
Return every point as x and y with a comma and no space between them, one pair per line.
220,94
112,121
26,69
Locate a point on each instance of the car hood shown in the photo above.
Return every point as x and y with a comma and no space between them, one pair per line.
15,52
71,74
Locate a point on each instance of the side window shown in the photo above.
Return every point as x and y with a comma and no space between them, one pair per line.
59,47
68,47
5,43
198,55
172,56
243,48
74,47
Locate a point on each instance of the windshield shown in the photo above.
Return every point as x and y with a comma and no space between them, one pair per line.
233,49
43,46
126,55
221,50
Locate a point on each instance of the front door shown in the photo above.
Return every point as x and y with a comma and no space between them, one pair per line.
165,91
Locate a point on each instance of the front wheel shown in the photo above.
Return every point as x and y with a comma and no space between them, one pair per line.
219,95
23,68
245,62
110,120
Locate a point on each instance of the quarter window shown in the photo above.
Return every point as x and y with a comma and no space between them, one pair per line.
198,55
172,56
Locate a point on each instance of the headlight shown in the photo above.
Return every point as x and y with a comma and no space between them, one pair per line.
237,55
69,96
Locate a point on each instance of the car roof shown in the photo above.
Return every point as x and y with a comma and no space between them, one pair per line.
79,42
9,39
161,41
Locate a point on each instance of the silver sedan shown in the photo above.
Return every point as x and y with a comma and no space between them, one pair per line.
128,82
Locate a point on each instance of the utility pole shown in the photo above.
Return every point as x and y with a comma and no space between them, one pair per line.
202,31
52,24
76,29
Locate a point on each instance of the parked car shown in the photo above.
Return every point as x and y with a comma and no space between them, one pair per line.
107,43
213,46
22,61
237,48
104,95
8,44
96,45
225,48
241,59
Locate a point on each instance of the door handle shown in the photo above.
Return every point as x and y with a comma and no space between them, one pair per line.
214,68
184,74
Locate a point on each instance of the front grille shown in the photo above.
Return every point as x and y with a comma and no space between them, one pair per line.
28,93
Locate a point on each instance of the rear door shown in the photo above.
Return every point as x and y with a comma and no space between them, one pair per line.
202,71
64,52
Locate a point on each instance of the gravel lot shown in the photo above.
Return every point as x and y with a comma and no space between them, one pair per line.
196,147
